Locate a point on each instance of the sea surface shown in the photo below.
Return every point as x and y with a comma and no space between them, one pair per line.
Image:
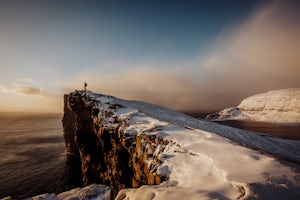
32,155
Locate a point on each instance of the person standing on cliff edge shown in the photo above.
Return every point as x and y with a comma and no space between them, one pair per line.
85,84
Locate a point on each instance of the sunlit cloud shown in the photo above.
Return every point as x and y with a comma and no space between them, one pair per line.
5,89
25,89
21,86
25,95
25,81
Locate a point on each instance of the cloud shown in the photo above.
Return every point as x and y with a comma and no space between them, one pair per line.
21,86
25,80
260,54
27,95
4,89
25,89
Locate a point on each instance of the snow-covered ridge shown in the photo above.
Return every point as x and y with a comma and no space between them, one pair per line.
201,164
278,106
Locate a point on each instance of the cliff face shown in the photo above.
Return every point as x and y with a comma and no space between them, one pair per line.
101,151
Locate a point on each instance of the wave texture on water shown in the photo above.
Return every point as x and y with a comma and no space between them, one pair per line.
32,155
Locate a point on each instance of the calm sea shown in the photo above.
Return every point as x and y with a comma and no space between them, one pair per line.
32,155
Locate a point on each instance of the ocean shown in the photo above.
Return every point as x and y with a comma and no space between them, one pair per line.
32,155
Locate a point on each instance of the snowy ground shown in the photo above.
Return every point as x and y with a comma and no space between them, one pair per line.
288,149
278,106
91,192
201,164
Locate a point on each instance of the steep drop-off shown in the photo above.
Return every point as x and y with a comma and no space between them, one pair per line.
100,151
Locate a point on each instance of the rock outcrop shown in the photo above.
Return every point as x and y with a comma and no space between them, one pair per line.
280,106
103,149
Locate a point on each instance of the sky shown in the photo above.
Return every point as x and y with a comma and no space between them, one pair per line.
185,55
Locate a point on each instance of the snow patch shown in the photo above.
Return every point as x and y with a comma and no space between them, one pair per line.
91,192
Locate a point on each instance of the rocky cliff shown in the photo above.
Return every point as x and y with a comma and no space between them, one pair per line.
101,148
281,106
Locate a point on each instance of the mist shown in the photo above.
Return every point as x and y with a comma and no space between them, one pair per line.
260,54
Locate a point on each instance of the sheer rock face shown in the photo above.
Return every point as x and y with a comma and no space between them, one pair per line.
102,146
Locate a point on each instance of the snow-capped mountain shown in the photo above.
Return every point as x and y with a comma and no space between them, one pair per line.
278,106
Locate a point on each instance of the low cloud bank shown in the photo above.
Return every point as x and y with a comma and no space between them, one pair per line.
24,89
